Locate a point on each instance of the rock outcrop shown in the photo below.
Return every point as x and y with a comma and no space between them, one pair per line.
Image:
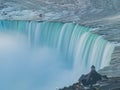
111,84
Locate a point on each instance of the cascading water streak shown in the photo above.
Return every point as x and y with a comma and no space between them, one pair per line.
77,45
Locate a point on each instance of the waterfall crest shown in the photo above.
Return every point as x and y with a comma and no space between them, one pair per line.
78,45
76,42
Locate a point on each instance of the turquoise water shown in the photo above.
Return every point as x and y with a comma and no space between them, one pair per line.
48,55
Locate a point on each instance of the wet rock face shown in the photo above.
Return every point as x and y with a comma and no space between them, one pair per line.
101,14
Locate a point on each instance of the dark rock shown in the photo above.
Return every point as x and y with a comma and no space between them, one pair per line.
113,83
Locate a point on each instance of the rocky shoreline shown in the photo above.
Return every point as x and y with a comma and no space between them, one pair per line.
113,83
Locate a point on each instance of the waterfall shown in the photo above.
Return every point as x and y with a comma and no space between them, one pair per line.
78,45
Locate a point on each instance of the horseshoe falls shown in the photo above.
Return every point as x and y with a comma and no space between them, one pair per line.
48,55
